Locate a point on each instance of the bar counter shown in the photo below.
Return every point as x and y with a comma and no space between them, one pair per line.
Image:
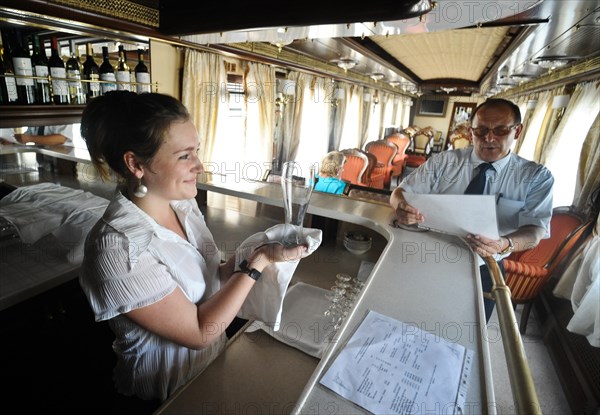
426,279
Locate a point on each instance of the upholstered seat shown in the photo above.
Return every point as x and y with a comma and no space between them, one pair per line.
528,271
355,167
438,142
375,173
460,142
401,141
385,153
422,144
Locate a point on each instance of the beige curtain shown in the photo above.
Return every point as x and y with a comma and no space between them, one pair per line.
258,152
384,102
525,146
564,148
312,128
365,118
292,117
338,111
204,80
550,128
397,111
588,176
350,137
578,117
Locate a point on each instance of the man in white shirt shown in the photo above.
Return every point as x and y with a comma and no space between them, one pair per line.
47,135
523,187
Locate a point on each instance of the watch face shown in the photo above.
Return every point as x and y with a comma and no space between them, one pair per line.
254,274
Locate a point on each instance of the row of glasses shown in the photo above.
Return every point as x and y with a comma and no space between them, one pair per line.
342,296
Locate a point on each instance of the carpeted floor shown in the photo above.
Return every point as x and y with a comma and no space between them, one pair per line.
550,394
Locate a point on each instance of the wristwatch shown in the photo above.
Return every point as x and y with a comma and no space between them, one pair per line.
252,272
509,248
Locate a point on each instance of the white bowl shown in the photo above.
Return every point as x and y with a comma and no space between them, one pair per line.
357,242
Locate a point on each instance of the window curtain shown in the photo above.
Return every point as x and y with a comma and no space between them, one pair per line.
385,115
338,112
352,122
204,95
292,119
258,153
408,103
375,119
311,129
365,117
526,144
397,111
588,175
565,145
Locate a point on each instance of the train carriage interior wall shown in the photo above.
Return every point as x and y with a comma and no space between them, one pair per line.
388,83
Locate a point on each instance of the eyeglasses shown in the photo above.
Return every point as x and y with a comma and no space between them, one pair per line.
499,131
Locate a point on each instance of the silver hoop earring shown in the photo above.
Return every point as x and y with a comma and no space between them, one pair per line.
140,190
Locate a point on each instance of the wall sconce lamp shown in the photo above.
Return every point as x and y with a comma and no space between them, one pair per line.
367,97
338,95
286,88
552,62
376,98
503,72
448,90
281,39
346,63
394,84
377,76
560,101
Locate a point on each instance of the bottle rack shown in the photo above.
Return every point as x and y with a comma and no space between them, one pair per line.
18,115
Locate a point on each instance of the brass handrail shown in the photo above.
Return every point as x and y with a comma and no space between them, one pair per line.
521,383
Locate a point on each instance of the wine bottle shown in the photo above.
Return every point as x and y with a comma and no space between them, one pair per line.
23,69
142,76
40,69
58,72
123,74
76,95
8,85
107,73
91,73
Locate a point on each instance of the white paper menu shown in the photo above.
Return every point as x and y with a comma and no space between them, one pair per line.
389,367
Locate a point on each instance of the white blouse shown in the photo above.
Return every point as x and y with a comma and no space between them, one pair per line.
130,261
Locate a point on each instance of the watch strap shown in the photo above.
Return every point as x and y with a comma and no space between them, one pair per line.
509,248
252,272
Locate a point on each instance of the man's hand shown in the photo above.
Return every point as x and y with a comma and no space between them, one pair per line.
485,247
405,213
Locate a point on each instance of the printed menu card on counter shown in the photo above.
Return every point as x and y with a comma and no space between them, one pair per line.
389,367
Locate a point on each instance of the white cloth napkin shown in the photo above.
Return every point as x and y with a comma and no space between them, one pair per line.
47,208
265,301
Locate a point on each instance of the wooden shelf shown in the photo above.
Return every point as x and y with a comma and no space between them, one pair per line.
38,115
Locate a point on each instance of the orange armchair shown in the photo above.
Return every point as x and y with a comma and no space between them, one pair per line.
385,152
527,271
401,141
375,174
355,167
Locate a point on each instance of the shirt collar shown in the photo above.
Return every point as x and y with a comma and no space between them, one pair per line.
139,228
498,165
